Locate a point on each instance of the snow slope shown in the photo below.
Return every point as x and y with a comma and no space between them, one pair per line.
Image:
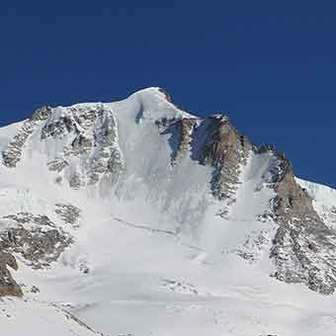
324,200
152,254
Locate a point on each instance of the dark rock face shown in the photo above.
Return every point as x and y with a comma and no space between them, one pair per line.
41,114
57,165
226,150
181,136
13,154
304,247
8,285
75,181
36,238
212,141
68,213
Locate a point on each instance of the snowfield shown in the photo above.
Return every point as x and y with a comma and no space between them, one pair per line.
151,255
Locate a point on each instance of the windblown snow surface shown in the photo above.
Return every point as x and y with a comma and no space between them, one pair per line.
159,261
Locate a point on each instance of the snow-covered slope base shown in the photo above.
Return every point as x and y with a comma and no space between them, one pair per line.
30,317
136,218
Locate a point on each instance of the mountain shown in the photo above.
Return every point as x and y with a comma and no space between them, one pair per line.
138,218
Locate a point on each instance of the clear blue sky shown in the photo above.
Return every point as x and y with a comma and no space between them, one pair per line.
270,64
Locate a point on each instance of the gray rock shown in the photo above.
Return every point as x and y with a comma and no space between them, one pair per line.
12,155
304,247
8,285
226,150
68,213
41,114
35,237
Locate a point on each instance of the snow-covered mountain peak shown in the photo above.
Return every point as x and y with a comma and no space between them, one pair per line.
151,103
136,208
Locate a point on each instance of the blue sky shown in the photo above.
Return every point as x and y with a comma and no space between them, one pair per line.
270,65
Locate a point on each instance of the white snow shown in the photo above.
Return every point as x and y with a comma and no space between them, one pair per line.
324,200
33,317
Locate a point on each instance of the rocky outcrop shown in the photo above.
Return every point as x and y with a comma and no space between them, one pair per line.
304,248
226,150
35,237
186,126
57,165
107,159
94,140
76,181
87,132
41,114
8,286
68,213
212,141
59,126
12,155
181,136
